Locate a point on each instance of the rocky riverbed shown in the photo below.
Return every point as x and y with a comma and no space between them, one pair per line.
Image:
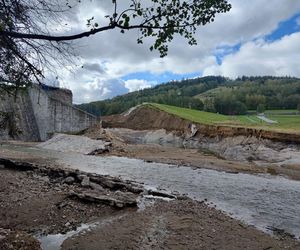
54,199
36,205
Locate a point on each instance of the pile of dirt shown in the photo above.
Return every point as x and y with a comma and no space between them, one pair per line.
151,118
73,143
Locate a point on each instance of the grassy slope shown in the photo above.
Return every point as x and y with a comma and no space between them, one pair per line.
286,123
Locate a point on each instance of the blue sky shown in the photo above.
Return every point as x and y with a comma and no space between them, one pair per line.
284,28
254,38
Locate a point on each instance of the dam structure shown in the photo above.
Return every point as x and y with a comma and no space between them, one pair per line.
37,112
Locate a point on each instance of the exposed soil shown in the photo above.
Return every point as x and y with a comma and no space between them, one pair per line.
226,148
180,224
122,145
30,205
34,203
150,118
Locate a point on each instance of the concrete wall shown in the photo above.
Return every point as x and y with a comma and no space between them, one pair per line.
62,95
17,118
36,115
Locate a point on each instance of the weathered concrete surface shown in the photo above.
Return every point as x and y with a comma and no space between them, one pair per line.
38,112
17,120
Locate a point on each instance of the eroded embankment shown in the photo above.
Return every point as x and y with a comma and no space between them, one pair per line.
150,118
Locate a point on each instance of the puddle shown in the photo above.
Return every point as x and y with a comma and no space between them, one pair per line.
55,241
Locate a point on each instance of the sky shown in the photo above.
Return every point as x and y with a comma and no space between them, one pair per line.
257,37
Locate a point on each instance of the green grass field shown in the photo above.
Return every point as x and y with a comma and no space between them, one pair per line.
285,123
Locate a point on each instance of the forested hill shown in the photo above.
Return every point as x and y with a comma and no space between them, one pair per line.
211,93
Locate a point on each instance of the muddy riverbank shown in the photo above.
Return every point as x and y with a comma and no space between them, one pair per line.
34,206
239,154
262,150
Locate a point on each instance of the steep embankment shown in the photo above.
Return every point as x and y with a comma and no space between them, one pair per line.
148,117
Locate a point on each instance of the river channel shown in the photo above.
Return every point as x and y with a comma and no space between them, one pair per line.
261,200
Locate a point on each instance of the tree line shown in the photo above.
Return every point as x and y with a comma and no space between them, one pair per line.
213,94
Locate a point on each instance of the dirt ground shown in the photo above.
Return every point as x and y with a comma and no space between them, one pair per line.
194,158
179,224
32,205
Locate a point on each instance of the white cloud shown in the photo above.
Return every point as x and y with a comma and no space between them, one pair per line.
98,89
136,84
279,58
92,82
118,54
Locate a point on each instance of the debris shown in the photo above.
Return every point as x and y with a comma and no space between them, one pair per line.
69,180
119,201
99,151
161,194
85,181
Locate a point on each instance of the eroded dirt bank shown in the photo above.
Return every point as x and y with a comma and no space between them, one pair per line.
150,118
38,202
234,148
231,154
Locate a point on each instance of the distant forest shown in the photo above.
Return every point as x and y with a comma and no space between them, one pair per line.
212,93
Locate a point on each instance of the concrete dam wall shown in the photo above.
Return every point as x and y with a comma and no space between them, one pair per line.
38,112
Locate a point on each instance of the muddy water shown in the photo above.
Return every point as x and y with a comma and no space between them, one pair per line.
262,201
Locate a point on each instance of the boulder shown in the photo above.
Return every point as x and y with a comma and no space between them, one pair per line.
69,180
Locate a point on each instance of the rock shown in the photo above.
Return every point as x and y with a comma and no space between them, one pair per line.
161,194
85,181
80,176
99,151
96,187
111,200
69,180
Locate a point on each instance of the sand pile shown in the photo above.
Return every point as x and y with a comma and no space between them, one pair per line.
73,143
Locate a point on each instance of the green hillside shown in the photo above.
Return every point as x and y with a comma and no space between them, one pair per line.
213,94
196,115
285,123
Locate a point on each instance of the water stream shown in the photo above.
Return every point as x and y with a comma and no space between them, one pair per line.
260,200
263,201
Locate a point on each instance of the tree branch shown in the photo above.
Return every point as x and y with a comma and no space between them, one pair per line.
55,38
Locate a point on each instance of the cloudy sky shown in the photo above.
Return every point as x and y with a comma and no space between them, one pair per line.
257,37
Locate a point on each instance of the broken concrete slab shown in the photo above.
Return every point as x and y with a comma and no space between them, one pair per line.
119,201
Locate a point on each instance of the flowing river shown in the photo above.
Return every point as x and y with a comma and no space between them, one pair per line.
261,200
